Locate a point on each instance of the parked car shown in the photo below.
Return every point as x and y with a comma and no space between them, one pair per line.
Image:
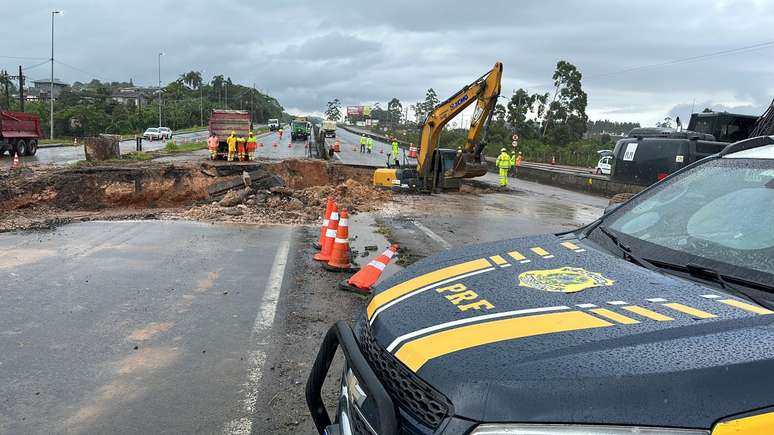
152,134
603,165
653,319
166,132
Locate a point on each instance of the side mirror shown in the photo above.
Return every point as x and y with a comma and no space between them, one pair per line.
612,207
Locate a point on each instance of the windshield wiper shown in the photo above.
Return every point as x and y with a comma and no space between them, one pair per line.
710,274
626,251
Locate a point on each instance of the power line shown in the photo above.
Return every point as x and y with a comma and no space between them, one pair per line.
81,70
27,68
23,58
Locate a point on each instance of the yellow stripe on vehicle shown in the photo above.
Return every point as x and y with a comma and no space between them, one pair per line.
414,354
540,251
427,279
695,312
570,246
753,425
612,315
516,255
498,260
644,312
745,306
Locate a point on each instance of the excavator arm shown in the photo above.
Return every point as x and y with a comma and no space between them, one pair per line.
484,92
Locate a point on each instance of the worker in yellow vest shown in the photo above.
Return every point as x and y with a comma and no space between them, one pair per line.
503,163
212,145
252,144
370,144
232,145
395,151
363,141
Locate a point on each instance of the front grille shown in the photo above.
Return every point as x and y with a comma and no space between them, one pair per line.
359,425
406,389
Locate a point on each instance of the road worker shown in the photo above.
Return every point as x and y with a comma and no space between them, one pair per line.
503,163
212,145
232,145
363,142
252,145
370,144
395,151
241,148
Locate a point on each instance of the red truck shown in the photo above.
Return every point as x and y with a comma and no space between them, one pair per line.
223,122
19,133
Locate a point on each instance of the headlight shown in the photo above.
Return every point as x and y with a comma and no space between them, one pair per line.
571,429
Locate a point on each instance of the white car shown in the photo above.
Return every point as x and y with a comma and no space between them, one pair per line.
152,134
166,132
604,165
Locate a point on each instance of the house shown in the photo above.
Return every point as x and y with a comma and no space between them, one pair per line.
41,88
134,95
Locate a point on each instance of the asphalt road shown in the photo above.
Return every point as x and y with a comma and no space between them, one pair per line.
72,154
137,327
349,143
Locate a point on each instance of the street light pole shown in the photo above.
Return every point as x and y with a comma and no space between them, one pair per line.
201,103
160,54
51,85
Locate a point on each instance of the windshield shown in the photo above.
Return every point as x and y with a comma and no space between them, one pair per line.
152,130
721,214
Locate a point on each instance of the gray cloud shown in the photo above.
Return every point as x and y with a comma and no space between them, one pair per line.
308,52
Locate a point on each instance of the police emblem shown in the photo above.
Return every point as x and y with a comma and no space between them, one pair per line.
564,279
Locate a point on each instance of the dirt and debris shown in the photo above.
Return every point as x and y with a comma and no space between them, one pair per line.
288,192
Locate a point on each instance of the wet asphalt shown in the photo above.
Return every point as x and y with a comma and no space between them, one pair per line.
78,299
131,327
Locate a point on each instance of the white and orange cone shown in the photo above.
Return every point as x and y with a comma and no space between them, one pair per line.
326,218
330,237
363,281
16,162
340,254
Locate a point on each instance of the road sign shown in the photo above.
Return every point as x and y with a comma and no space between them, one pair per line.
515,137
515,143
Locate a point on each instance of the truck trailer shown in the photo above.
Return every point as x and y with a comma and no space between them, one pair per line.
223,122
19,133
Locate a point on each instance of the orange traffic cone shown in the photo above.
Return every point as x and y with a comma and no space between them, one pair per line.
330,237
340,253
362,281
260,144
553,160
16,163
326,219
290,144
274,144
381,150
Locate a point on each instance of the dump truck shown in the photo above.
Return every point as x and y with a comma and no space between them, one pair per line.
19,133
299,129
223,122
329,128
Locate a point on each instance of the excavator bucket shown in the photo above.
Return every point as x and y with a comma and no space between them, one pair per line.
467,166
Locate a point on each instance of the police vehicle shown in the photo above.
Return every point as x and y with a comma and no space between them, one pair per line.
655,319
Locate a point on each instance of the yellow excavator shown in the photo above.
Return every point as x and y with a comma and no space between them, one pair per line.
440,169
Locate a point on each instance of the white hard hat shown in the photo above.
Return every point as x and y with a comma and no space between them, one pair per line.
502,149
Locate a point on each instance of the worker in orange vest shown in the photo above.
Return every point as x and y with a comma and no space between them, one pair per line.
252,144
241,148
212,145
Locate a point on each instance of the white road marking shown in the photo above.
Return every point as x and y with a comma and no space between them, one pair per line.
657,300
710,296
432,235
422,331
256,356
617,303
586,306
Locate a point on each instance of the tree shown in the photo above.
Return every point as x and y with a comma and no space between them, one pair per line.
334,110
394,110
192,79
431,100
666,123
566,119
499,113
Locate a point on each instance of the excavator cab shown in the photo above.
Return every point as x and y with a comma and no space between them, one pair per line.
408,178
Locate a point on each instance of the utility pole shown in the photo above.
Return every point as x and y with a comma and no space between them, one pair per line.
21,90
51,88
6,80
160,54
225,84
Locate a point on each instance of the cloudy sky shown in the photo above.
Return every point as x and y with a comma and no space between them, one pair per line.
308,52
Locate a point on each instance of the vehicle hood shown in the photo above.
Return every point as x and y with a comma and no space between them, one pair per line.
543,329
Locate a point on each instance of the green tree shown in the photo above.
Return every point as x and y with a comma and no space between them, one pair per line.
394,110
566,119
431,100
192,79
499,113
334,110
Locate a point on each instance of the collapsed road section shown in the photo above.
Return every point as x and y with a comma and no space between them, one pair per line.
287,192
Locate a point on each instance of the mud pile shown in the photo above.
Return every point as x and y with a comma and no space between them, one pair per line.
292,191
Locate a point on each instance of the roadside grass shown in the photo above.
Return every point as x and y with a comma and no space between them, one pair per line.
63,140
173,148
